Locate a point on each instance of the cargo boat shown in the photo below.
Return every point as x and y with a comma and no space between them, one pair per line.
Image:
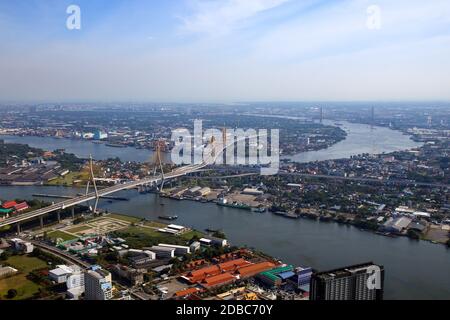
235,205
115,145
171,218
287,214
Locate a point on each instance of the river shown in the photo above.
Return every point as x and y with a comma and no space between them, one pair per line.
360,138
82,148
414,269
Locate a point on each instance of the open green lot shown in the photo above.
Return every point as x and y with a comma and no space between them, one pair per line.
154,224
79,229
124,218
61,235
189,235
24,287
26,264
138,237
68,179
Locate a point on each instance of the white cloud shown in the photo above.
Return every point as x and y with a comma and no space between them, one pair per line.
221,17
340,28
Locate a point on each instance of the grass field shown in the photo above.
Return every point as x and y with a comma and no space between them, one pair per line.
26,264
154,224
189,235
138,237
25,288
124,218
79,229
61,234
145,231
68,179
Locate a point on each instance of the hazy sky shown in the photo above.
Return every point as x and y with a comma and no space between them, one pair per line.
224,50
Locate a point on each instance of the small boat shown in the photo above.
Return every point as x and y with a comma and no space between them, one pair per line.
168,217
292,216
162,204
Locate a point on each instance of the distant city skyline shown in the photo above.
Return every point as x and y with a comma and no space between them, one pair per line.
225,51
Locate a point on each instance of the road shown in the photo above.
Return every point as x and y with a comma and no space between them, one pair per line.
101,193
59,253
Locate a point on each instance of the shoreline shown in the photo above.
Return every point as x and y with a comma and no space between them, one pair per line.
123,146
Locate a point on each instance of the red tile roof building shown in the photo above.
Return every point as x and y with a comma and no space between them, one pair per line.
21,206
9,204
254,269
187,292
219,280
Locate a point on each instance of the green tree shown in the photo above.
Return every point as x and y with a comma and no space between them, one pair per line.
12,293
5,256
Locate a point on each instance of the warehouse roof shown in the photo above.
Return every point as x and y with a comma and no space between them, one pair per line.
220,279
253,269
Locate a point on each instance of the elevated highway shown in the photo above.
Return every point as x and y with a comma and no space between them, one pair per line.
182,171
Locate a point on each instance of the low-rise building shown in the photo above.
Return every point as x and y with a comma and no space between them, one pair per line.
140,260
21,207
7,271
397,225
133,276
61,273
22,246
163,252
252,192
195,246
179,250
203,192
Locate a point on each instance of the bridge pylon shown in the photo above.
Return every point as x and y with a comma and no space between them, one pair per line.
94,184
157,161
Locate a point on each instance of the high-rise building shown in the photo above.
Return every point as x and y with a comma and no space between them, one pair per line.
99,135
358,282
97,284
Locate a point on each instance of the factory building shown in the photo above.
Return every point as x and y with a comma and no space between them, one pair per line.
252,192
214,242
163,252
62,273
276,277
179,250
254,269
202,192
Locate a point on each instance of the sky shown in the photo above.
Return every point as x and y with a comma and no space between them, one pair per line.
225,50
